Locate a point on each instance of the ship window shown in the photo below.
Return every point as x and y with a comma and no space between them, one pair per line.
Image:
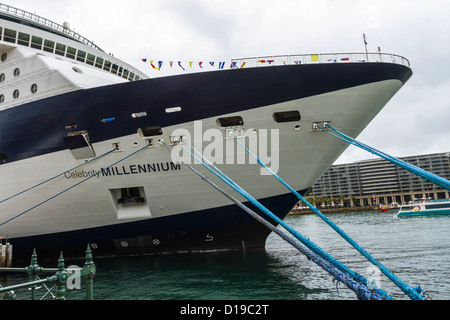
16,72
60,49
2,77
99,62
107,66
3,158
90,59
10,35
287,116
5,55
49,46
131,76
34,88
71,52
24,39
2,99
36,42
125,74
1,32
16,94
230,122
81,56
114,68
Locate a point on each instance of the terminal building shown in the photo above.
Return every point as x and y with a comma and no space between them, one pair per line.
378,181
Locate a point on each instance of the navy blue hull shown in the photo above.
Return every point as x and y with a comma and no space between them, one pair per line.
38,127
221,228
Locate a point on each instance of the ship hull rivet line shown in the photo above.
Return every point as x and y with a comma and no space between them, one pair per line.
352,280
75,185
413,292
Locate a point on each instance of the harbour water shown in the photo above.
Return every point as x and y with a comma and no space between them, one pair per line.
416,249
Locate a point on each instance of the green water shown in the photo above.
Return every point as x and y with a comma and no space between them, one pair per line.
416,249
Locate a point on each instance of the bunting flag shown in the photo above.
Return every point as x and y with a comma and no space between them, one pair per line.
221,65
200,64
190,63
179,63
153,66
345,59
243,65
211,64
314,57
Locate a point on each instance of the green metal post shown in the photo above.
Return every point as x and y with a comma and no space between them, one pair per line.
33,270
62,278
89,269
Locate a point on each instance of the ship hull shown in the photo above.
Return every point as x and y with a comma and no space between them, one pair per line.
177,210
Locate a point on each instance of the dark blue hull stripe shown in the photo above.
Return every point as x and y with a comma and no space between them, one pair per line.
227,227
38,127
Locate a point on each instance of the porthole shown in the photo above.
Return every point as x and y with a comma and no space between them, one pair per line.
16,72
3,158
4,57
16,94
2,99
77,70
34,88
2,77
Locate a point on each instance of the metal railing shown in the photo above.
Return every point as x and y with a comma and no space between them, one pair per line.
60,280
12,11
319,58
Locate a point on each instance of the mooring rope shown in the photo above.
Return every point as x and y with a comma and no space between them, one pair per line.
361,290
57,176
70,188
413,293
444,183
305,241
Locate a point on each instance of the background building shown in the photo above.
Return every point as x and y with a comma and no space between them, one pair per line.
379,181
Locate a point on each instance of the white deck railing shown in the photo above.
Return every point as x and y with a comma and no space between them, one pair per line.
12,11
320,58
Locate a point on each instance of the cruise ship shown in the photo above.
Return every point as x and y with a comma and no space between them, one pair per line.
94,151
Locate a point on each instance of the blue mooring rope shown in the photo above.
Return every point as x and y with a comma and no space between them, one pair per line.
58,175
309,244
444,183
362,291
73,186
413,293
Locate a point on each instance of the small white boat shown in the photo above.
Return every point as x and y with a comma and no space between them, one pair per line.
424,207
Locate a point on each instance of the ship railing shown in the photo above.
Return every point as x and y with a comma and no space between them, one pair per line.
12,11
320,58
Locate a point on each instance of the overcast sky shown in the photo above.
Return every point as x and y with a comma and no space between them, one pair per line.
415,121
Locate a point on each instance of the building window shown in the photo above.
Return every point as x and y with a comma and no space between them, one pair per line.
34,88
16,94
